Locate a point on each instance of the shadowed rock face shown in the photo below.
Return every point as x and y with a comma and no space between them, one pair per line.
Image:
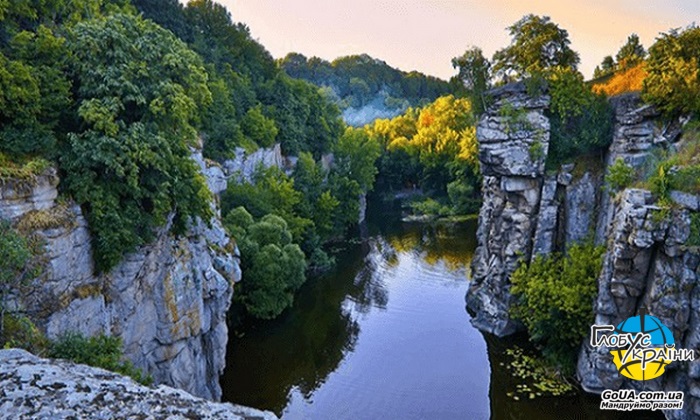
167,301
40,388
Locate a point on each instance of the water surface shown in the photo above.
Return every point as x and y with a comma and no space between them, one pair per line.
386,336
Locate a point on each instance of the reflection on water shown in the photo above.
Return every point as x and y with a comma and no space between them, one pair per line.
385,335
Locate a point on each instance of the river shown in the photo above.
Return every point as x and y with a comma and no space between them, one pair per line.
386,335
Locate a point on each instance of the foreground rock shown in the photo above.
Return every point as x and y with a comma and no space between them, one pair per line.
35,388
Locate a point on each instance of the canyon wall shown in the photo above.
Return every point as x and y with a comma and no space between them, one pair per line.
527,211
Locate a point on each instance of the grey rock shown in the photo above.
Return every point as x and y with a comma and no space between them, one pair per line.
689,201
512,154
35,388
167,301
19,197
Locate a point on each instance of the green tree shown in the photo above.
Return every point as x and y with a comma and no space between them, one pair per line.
672,82
630,54
258,128
537,45
581,121
138,101
355,155
606,67
474,72
273,266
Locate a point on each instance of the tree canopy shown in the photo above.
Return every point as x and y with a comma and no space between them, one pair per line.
537,45
138,102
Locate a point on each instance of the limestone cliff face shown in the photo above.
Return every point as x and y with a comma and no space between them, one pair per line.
513,177
35,388
167,301
527,212
648,264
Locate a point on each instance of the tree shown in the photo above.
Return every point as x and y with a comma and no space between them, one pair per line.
606,67
630,54
537,45
355,155
474,72
138,103
273,266
672,82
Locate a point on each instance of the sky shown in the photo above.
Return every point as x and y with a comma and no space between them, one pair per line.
425,35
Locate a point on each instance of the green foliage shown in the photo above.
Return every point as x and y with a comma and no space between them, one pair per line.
258,128
272,192
273,266
355,155
619,176
581,121
21,169
474,73
138,103
99,351
536,151
607,67
430,207
306,120
537,45
630,54
34,91
672,83
554,299
18,331
19,264
694,238
360,79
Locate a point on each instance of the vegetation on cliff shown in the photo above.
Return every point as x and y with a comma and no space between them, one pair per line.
554,299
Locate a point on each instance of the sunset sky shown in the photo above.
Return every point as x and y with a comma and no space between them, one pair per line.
425,34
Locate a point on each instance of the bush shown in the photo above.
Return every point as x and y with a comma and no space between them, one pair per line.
18,331
99,351
554,299
619,176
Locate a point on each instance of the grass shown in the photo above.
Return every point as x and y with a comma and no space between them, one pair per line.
26,170
622,81
58,216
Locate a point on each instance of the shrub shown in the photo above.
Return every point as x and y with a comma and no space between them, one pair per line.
99,351
554,299
619,176
18,331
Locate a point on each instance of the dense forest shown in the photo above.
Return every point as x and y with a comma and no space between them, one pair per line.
366,88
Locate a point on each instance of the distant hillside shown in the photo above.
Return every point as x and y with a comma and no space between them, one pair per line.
366,88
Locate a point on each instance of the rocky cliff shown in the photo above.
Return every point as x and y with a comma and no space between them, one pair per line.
527,212
511,189
35,388
167,301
